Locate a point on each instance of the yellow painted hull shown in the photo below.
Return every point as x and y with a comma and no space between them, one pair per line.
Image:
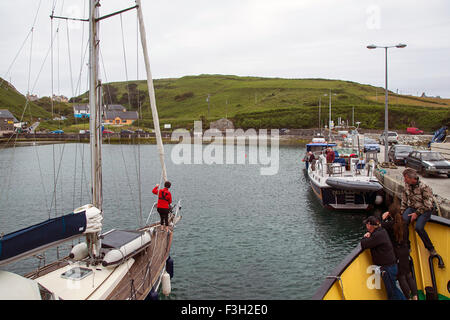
355,279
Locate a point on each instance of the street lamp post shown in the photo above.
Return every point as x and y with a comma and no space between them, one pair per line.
386,143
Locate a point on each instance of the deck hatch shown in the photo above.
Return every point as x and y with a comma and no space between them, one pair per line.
76,273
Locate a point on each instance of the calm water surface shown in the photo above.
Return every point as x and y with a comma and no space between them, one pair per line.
242,235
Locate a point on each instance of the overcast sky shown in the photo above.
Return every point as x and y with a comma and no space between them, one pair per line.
269,38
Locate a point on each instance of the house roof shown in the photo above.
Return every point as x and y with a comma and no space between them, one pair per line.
6,114
127,115
81,107
115,107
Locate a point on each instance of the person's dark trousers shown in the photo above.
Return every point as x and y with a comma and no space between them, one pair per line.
420,226
389,275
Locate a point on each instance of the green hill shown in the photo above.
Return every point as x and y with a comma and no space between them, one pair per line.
254,102
251,102
15,102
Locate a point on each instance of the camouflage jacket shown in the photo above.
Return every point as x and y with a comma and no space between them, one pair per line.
418,196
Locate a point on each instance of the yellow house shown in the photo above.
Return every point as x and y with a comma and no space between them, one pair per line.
120,117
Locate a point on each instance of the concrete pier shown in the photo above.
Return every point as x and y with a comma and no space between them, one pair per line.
393,183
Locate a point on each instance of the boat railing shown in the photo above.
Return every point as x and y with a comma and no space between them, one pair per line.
175,210
321,165
354,166
150,213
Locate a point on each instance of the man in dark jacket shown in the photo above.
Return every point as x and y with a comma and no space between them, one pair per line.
379,243
417,205
309,160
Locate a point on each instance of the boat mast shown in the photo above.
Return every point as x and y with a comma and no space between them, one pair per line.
95,119
151,90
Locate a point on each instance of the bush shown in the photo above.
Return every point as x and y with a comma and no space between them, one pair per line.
184,96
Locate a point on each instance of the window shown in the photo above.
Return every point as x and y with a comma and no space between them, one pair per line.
76,273
404,149
432,156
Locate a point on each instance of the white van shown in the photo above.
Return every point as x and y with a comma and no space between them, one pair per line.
392,137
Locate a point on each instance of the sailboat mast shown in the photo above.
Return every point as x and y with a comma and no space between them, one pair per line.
95,121
95,106
151,90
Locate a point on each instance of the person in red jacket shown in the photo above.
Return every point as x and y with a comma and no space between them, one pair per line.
330,156
163,206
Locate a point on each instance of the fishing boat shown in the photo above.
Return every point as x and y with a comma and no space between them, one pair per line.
113,265
354,278
347,184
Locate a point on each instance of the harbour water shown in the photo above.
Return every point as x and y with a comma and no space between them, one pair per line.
243,235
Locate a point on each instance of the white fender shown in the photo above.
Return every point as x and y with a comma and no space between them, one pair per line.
79,252
165,281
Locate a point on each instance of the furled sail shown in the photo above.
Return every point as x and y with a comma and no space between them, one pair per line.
151,91
36,238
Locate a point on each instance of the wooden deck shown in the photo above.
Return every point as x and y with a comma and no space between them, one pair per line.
147,268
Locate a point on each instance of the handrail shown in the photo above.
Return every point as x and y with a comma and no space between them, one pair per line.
177,209
150,213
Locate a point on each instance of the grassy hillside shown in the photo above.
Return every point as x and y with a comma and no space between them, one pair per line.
15,102
253,102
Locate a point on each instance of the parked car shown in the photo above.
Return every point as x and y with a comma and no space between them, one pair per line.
140,131
428,163
371,145
126,132
414,130
392,137
57,131
107,131
398,152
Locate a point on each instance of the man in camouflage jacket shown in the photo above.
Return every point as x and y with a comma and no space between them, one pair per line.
417,205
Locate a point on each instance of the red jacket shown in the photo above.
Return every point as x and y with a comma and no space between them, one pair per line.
330,156
164,198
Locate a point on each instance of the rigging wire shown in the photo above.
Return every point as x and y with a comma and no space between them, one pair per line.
138,123
137,163
27,100
70,58
23,44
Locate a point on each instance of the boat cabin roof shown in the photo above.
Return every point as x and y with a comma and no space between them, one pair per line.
319,146
118,238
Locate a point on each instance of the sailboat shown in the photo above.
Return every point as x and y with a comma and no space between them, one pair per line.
117,264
